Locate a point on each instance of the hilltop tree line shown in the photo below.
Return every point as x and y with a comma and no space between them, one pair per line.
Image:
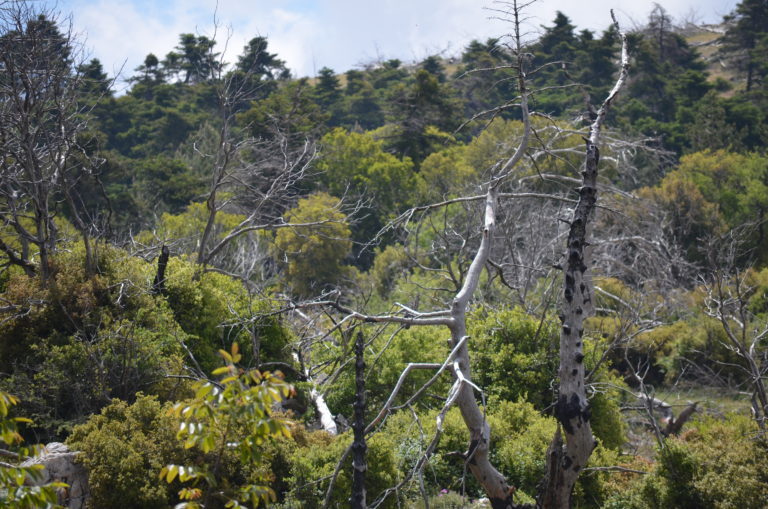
167,251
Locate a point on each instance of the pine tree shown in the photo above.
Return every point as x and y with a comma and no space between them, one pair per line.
747,39
194,58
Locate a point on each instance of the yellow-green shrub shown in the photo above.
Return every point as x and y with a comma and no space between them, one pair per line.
717,463
123,448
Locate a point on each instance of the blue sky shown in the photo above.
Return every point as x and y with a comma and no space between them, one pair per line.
340,34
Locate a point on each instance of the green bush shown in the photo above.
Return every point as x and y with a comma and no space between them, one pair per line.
717,463
417,344
514,355
520,436
123,448
216,311
313,256
519,440
608,423
15,486
85,340
444,500
231,418
315,458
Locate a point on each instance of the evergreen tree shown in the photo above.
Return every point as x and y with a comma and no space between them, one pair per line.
290,113
256,74
434,66
595,62
259,62
355,82
361,103
194,59
150,72
484,79
94,81
327,94
558,43
388,73
746,39
418,109
668,79
554,64
573,69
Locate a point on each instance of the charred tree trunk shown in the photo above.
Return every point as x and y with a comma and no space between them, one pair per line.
359,448
158,285
565,459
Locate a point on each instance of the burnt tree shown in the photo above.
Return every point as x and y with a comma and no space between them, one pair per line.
566,458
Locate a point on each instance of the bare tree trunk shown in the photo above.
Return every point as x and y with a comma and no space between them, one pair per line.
45,245
359,465
212,210
41,118
728,302
90,257
493,482
566,459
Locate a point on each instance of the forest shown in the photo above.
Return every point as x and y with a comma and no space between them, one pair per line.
534,274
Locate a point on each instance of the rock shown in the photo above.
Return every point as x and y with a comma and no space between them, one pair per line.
60,464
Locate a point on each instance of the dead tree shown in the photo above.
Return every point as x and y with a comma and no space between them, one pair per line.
565,459
462,393
727,300
40,119
359,466
158,284
256,177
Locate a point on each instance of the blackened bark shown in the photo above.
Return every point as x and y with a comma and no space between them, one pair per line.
565,459
359,448
573,443
158,285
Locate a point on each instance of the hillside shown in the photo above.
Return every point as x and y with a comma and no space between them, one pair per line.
230,287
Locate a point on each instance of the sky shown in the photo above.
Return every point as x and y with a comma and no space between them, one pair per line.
340,34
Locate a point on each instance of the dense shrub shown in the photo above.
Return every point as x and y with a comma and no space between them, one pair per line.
417,344
228,420
124,447
313,256
71,346
313,458
216,310
718,463
515,357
